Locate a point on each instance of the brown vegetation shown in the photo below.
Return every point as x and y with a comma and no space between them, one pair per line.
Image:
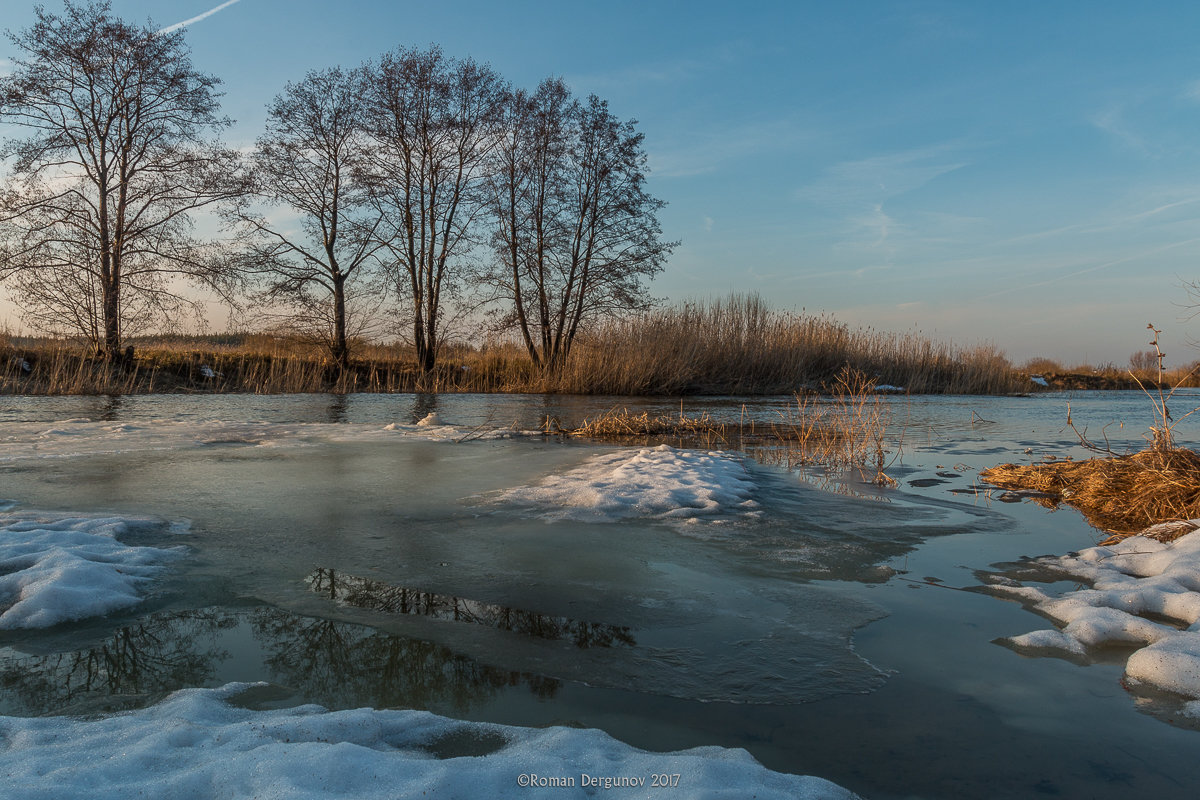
1082,377
737,346
1122,494
847,431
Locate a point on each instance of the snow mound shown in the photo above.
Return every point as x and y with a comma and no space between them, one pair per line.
660,482
56,570
1139,586
194,744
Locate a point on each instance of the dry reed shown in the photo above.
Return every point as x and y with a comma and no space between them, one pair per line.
735,346
1122,495
847,431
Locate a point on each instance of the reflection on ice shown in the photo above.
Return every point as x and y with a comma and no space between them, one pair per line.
338,664
379,596
133,667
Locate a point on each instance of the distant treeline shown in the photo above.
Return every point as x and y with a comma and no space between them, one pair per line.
735,346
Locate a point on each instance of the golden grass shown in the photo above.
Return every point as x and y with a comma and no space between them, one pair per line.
1110,376
1122,495
847,431
740,346
735,346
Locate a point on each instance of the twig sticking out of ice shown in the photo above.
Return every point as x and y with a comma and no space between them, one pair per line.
195,745
55,570
659,482
1133,582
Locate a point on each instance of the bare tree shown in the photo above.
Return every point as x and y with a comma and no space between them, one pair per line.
576,233
308,162
431,118
1144,361
114,163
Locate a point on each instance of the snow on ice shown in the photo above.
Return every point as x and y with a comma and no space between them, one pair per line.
58,569
1134,583
197,745
660,482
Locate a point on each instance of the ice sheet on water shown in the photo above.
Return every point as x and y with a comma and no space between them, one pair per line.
1139,587
660,482
79,437
56,568
196,744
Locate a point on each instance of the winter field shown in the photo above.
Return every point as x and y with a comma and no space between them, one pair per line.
389,595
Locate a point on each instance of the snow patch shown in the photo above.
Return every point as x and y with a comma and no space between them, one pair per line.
660,482
1134,583
195,744
58,569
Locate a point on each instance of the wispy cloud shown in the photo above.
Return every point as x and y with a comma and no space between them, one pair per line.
1112,121
661,73
869,181
1142,256
664,72
1191,91
198,17
682,154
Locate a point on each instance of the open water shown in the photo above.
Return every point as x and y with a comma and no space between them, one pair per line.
825,631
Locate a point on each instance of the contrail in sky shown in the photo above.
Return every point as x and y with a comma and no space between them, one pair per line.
197,18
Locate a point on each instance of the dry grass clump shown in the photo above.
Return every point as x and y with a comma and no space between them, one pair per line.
848,430
1122,495
621,424
845,431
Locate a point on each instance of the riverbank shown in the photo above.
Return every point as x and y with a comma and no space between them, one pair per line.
734,346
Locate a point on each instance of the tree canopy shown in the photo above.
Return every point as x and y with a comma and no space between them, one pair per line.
96,213
419,177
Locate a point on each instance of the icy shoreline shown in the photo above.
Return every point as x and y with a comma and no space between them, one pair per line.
196,744
1143,594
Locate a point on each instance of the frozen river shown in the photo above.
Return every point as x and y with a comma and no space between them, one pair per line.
672,598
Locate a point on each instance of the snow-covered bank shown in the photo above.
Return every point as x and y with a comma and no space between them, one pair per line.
196,745
659,482
1144,594
56,568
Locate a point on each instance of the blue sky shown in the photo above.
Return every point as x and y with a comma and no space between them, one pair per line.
1024,173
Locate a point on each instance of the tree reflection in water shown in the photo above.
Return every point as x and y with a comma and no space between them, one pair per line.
380,596
339,664
136,666
336,664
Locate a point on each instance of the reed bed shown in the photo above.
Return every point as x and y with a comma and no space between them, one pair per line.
740,346
734,346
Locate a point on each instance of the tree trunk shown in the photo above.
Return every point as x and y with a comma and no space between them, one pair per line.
341,348
112,320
